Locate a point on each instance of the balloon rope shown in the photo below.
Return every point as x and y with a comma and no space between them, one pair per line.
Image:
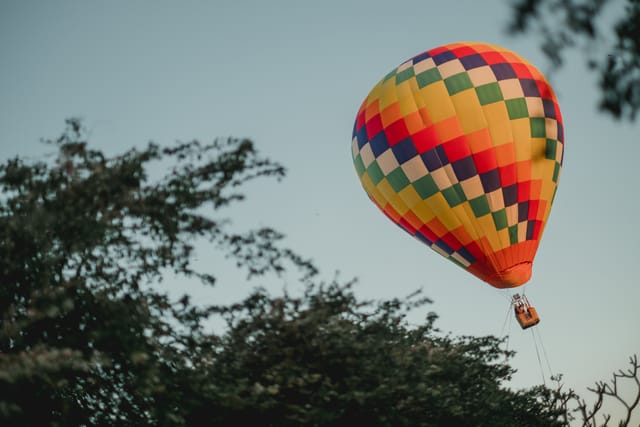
506,325
538,355
544,352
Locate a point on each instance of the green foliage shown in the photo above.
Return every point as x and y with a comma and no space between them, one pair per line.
327,359
566,24
88,337
84,336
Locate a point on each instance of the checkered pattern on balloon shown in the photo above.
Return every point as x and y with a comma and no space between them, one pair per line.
462,147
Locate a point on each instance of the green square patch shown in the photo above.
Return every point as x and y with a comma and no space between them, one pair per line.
404,75
358,163
375,173
538,128
454,195
389,75
426,187
397,179
425,78
455,261
480,206
552,149
489,93
458,83
500,219
517,108
513,234
556,172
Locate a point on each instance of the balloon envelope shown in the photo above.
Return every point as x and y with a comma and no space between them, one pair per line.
462,146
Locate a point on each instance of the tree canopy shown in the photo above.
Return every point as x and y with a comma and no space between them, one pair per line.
89,337
611,45
86,334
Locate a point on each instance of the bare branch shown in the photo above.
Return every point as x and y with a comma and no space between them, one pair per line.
612,389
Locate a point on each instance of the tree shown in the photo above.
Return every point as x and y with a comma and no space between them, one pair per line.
565,24
89,338
328,359
623,389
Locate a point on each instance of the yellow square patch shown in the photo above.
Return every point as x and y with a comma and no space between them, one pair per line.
469,111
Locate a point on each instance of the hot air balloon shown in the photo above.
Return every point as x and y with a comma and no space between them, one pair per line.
462,146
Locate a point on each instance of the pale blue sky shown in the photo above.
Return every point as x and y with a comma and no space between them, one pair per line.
291,75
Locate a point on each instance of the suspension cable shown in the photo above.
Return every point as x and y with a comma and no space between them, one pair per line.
538,355
544,352
535,343
507,319
506,325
